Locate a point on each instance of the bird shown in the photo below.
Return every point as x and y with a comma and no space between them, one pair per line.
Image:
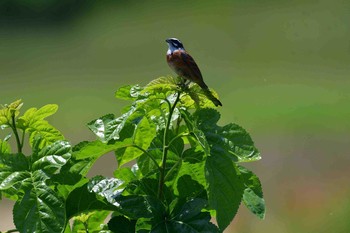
184,65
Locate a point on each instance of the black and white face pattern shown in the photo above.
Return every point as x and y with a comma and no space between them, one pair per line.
174,44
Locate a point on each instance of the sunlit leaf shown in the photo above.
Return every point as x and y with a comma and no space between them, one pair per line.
33,122
9,110
109,128
143,136
230,139
90,222
108,188
82,200
33,115
52,157
129,92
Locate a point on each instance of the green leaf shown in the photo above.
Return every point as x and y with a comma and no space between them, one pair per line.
196,131
93,149
103,129
107,188
128,92
67,181
82,200
133,206
39,209
109,128
125,174
230,139
195,97
253,195
26,177
193,155
90,222
161,87
5,147
136,206
225,188
7,111
33,122
194,170
186,217
49,133
33,115
189,188
52,157
13,171
145,131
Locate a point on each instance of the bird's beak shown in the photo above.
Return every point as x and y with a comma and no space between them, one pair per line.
167,40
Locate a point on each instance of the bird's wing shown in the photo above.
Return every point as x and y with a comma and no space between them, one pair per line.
195,72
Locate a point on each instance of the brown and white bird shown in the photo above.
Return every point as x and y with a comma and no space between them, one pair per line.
185,66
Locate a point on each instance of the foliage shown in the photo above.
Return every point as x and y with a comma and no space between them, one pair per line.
187,169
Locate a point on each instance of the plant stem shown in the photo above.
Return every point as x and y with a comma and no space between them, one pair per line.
147,154
14,128
172,169
166,146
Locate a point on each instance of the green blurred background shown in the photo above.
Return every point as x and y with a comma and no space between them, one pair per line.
281,69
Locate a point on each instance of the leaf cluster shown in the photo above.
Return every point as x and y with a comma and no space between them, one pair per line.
177,168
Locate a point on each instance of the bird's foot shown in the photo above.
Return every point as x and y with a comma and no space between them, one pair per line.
184,83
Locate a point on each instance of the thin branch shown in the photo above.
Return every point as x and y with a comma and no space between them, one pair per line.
165,145
14,129
178,136
172,169
148,154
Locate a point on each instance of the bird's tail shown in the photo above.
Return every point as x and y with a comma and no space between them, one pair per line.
210,96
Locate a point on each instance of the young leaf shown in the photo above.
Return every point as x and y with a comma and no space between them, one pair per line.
128,92
33,122
196,97
225,188
7,111
90,222
33,115
162,87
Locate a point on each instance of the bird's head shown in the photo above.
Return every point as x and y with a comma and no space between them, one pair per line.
174,44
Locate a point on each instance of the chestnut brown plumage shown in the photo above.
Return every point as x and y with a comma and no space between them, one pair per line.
185,66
